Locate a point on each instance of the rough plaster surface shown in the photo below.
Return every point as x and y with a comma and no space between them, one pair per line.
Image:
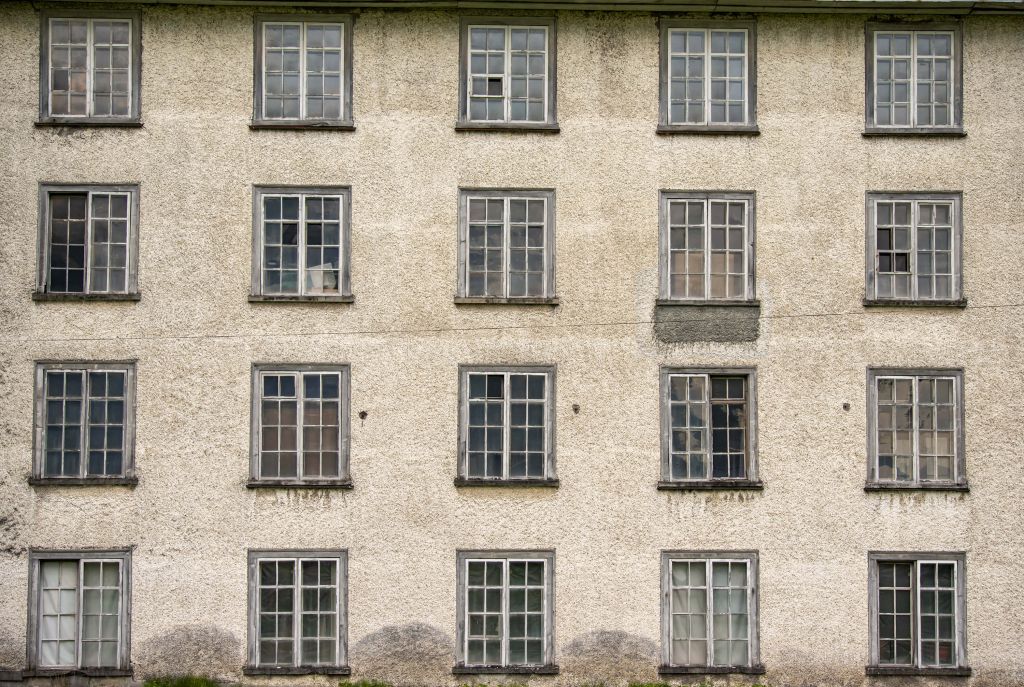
195,336
695,324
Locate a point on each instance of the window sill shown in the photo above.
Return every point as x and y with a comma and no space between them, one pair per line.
83,481
261,298
951,132
101,122
726,130
288,670
49,296
711,485
86,672
535,482
894,671
494,300
712,303
916,486
525,127
711,670
299,125
505,670
297,484
910,303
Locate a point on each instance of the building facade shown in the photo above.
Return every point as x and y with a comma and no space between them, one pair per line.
506,342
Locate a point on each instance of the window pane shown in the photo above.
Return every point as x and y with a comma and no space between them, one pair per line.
111,78
730,613
319,613
67,249
62,452
276,612
484,589
279,425
101,608
58,609
895,638
69,50
688,609
322,234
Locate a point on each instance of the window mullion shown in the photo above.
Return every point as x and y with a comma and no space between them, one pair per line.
506,90
83,441
914,616
79,622
90,46
506,244
707,232
707,78
296,610
506,432
709,616
87,277
300,420
301,244
912,96
915,434
706,444
302,70
915,214
505,592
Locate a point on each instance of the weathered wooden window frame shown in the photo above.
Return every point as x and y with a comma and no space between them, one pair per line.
959,558
550,123
344,479
956,73
959,481
666,197
462,287
344,295
127,476
134,117
463,558
259,121
665,126
550,478
753,666
340,666
35,558
42,289
752,479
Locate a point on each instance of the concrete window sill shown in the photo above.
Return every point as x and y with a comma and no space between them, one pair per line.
505,670
673,129
308,670
85,672
521,127
711,670
487,300
703,304
909,303
470,482
311,125
296,484
916,486
950,132
711,485
47,296
260,298
905,671
100,122
131,482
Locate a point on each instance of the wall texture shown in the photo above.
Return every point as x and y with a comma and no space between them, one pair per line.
195,336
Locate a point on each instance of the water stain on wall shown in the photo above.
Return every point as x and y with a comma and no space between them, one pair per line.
412,654
191,649
606,656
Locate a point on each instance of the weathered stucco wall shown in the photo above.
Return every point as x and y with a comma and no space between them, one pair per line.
195,336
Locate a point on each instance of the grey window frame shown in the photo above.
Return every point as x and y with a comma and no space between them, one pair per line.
344,295
39,478
752,479
956,72
550,478
959,481
344,478
345,123
463,556
134,118
872,198
42,292
462,287
550,123
665,197
961,669
754,666
668,24
35,558
340,667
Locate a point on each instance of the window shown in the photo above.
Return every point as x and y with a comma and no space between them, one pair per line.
914,79
90,69
301,243
707,247
709,612
85,423
913,244
300,425
709,77
507,251
88,242
507,425
915,428
79,609
917,611
303,71
298,612
507,76
708,428
506,611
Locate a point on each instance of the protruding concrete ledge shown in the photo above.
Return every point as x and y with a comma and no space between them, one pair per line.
916,486
493,300
299,484
910,303
905,671
85,672
711,670
301,126
700,321
284,298
519,127
505,670
952,132
47,296
671,129
470,482
711,485
94,122
83,481
310,670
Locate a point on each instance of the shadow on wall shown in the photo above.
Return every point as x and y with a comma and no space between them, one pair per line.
413,654
191,649
611,657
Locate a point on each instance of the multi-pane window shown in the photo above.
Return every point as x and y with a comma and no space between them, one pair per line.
708,425
508,74
707,76
505,608
507,249
707,246
300,243
304,71
710,617
917,610
297,602
79,609
507,424
913,81
88,241
84,420
90,69
914,247
300,424
916,420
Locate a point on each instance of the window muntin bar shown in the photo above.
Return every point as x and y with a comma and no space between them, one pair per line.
914,253
80,613
90,67
88,243
721,637
916,431
708,426
299,611
507,74
303,70
507,425
914,79
300,424
84,420
507,251
707,76
301,244
917,613
707,249
506,607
